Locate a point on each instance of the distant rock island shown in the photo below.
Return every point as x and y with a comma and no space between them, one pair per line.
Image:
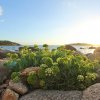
82,44
8,43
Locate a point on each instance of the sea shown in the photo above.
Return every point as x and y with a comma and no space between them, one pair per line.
83,49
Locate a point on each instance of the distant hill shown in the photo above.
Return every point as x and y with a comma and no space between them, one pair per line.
82,44
8,43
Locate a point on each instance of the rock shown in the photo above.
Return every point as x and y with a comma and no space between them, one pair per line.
26,71
97,49
3,86
92,47
97,56
69,47
96,53
52,95
18,87
3,71
10,95
92,92
3,53
98,74
82,48
90,56
77,53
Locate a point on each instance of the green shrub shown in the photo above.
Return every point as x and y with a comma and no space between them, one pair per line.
59,68
32,78
15,76
48,61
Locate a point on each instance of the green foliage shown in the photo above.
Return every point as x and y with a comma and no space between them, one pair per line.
32,78
15,76
48,61
59,68
45,45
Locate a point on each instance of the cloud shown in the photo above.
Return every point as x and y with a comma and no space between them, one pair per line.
1,11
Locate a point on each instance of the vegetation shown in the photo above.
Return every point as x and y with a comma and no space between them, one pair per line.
59,68
15,76
8,43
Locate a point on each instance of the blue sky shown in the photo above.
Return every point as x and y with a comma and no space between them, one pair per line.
50,21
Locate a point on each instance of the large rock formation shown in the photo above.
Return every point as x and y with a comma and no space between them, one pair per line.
3,71
26,71
10,95
97,53
52,95
3,53
19,87
90,56
92,92
69,47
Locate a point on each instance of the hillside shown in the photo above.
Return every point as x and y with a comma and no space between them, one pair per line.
82,44
8,43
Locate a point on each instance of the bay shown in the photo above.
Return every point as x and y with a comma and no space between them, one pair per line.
83,49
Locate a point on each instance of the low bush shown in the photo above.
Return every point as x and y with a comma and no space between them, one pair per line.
59,68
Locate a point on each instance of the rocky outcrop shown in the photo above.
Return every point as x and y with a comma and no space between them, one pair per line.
97,53
10,95
3,71
26,71
18,87
69,47
3,53
97,49
92,92
52,95
92,47
24,74
77,53
90,56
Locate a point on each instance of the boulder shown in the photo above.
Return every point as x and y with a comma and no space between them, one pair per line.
92,92
92,47
2,88
3,71
90,56
19,87
3,53
96,53
69,47
26,71
24,74
97,49
10,95
52,95
97,56
77,53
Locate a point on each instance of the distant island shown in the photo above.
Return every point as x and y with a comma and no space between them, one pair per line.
8,43
82,44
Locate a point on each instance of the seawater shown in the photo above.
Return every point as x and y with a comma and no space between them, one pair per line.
85,49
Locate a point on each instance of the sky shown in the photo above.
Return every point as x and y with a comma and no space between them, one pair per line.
50,21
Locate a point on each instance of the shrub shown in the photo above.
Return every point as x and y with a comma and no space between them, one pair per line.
32,78
15,76
47,60
59,68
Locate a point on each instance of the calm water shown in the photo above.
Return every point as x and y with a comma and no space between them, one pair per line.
85,50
